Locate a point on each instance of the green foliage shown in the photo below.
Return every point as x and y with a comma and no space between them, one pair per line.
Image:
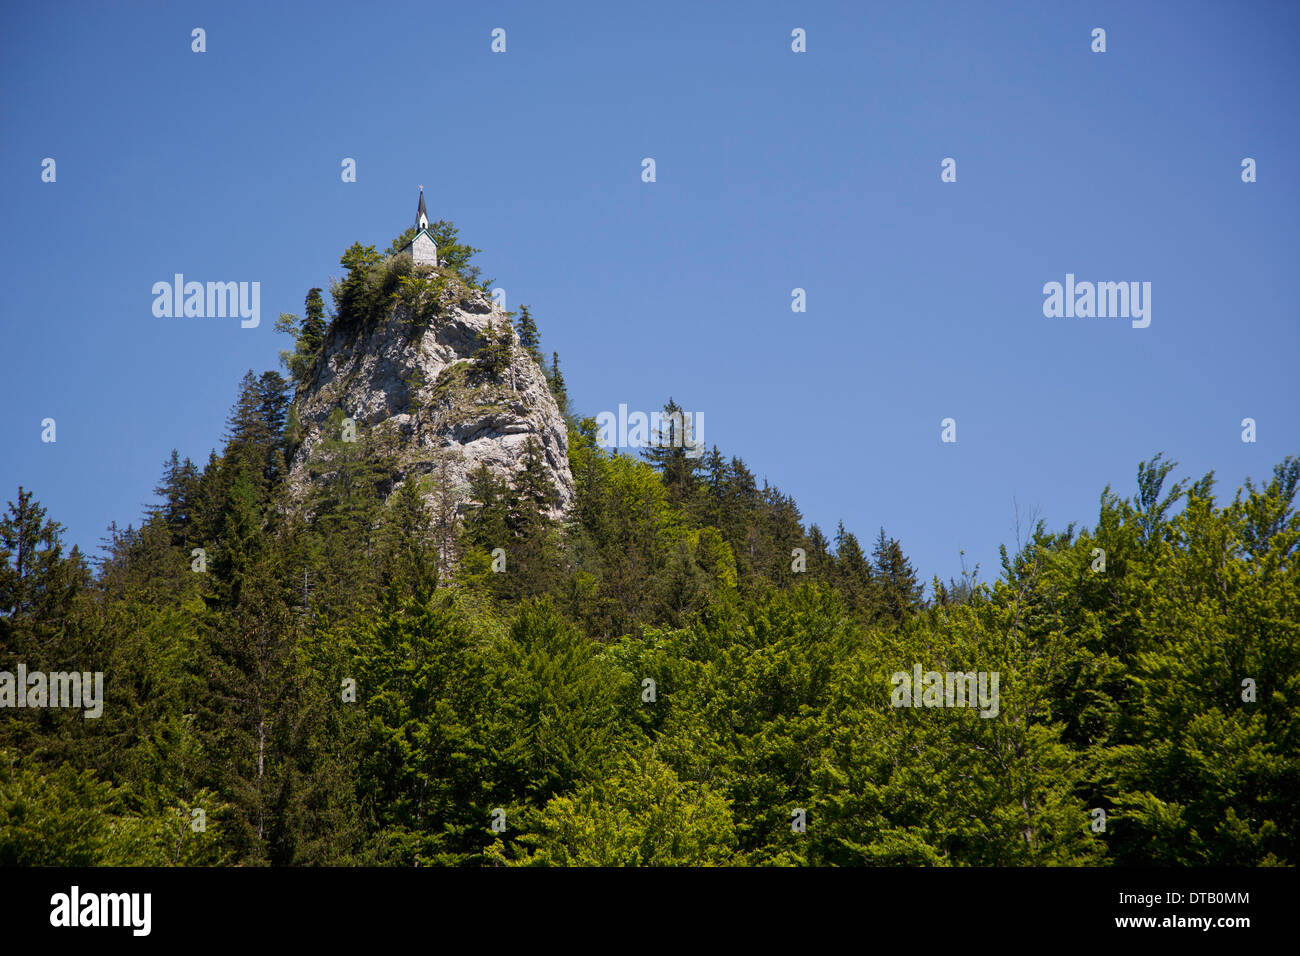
64,817
559,390
308,337
671,672
640,815
364,295
455,254
495,350
638,687
529,338
421,293
313,323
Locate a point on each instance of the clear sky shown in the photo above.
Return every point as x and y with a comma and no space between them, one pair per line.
775,170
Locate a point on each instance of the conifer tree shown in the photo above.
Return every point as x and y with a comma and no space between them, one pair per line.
346,501
313,324
674,453
176,491
515,518
495,350
255,428
852,573
38,583
308,337
559,390
407,552
487,526
820,563
354,295
715,467
529,338
895,578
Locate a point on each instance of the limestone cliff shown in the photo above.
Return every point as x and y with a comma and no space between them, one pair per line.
420,376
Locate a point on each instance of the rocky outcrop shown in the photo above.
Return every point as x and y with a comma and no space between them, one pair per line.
419,381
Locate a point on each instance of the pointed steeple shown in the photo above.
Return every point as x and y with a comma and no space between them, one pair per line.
422,247
421,214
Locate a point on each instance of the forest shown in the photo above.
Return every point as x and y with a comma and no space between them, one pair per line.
679,672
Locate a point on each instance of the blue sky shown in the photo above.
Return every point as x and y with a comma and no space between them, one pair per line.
775,170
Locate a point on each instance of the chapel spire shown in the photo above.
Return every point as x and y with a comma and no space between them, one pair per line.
422,247
421,214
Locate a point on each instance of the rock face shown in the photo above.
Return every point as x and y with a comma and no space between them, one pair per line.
419,382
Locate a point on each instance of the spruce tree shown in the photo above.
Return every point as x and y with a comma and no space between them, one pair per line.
559,391
715,467
272,407
313,324
495,349
529,337
255,427
407,553
487,526
353,296
532,529
176,492
852,573
674,452
819,561
37,582
895,578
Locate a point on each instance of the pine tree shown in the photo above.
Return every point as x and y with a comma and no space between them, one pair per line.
308,337
313,324
406,548
852,573
245,662
487,526
255,428
529,337
819,561
895,578
674,453
715,466
531,527
38,584
176,491
243,424
495,350
534,493
354,299
781,529
559,391
272,408
354,479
